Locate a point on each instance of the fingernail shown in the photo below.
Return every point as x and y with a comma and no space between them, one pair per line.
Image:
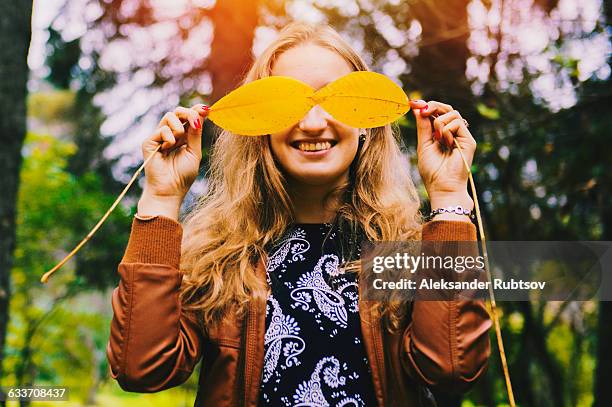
426,107
197,123
206,108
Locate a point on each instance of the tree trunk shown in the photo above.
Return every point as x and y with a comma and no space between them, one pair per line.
603,373
603,390
439,69
15,26
231,49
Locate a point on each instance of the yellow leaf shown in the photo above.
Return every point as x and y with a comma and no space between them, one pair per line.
363,99
360,99
264,106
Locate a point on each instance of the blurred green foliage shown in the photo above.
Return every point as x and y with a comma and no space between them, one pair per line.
58,331
542,173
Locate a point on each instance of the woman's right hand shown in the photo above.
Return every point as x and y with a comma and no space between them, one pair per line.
173,169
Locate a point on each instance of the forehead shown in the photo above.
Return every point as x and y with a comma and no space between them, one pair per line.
311,64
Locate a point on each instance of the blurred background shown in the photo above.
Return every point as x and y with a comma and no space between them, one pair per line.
83,82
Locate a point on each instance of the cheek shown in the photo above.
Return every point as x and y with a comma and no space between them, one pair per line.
347,152
277,145
349,143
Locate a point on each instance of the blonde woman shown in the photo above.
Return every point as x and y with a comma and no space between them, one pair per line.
253,281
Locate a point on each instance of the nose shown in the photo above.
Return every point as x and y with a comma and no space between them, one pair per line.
315,120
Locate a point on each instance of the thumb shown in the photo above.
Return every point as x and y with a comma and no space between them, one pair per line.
194,135
194,138
424,128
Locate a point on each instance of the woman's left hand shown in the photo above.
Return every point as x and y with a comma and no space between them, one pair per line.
440,163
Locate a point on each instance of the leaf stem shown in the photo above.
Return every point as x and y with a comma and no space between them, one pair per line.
500,341
48,274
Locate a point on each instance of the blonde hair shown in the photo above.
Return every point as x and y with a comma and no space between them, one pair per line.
247,207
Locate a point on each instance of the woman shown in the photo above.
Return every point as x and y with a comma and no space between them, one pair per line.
259,282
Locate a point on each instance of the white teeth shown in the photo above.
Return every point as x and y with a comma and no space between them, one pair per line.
325,145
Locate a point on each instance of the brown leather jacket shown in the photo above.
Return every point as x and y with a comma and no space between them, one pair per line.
154,345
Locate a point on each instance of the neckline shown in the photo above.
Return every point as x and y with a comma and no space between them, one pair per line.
326,224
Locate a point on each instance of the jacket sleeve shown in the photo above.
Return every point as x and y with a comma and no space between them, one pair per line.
447,345
154,344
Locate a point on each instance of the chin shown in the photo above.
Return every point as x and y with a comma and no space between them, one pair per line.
318,178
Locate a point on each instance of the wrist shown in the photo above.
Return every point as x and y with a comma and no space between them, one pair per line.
447,200
442,200
155,205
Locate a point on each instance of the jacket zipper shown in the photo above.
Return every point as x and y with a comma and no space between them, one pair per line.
377,344
374,329
250,347
251,338
240,379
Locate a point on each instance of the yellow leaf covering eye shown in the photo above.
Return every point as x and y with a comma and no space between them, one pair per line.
268,105
363,99
263,106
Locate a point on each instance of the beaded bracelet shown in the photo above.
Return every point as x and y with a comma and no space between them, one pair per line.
459,210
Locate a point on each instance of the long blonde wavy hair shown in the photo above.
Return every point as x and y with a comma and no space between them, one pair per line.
247,207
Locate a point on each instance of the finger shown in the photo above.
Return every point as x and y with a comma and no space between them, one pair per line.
436,108
202,110
424,129
190,115
456,129
465,138
417,104
178,129
151,143
168,138
440,121
194,135
171,120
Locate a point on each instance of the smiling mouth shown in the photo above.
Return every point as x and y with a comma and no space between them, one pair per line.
309,146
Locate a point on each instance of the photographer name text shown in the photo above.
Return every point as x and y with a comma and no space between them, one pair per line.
443,284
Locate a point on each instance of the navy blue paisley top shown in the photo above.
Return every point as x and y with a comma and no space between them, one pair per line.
314,355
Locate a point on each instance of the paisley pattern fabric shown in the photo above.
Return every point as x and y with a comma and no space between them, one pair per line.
314,353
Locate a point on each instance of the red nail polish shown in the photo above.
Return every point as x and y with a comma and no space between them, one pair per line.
206,108
197,123
426,107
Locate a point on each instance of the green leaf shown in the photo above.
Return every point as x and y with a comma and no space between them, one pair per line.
488,112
